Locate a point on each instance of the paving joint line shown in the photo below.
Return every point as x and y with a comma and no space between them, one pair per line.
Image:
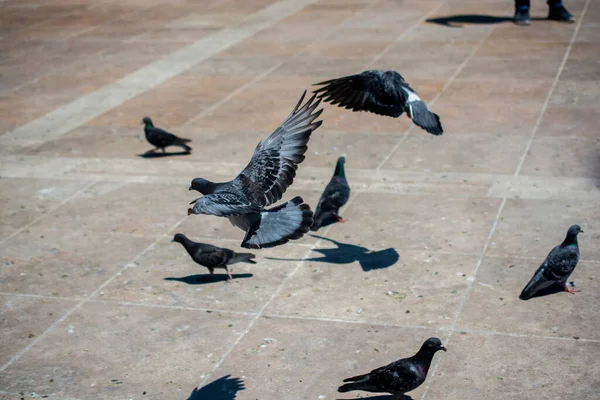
77,306
551,91
41,217
267,303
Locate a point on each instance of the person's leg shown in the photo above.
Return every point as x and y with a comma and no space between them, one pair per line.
558,12
522,12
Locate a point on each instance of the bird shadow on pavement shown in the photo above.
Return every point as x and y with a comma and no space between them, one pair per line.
204,279
457,21
345,253
160,155
224,388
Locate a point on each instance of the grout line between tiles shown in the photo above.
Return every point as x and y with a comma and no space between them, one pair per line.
233,94
95,54
437,96
41,217
551,91
67,314
267,303
517,172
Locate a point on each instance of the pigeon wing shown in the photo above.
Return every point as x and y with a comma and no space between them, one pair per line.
275,160
373,91
224,204
160,137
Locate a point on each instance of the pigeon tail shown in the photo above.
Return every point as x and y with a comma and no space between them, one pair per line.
182,143
279,225
423,118
348,387
536,284
242,257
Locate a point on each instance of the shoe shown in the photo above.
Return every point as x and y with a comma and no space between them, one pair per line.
522,16
560,13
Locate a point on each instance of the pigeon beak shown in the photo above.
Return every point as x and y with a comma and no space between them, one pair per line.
580,231
191,188
442,348
190,211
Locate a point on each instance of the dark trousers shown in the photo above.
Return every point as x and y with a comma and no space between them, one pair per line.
526,3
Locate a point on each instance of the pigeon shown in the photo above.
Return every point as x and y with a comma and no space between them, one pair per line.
399,377
336,194
212,257
384,93
557,267
271,170
161,139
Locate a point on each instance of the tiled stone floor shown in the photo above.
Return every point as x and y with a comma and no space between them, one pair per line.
97,303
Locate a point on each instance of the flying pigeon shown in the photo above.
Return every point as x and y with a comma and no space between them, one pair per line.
384,93
336,194
398,377
271,170
212,257
161,139
557,267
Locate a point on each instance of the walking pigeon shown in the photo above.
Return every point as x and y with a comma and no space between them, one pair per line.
161,139
384,93
336,194
399,377
557,267
264,180
212,257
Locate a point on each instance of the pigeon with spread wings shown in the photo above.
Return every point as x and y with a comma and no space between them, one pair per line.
380,92
263,182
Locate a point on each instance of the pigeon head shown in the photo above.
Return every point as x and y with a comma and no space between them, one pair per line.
572,233
574,230
147,121
432,345
203,186
339,167
179,238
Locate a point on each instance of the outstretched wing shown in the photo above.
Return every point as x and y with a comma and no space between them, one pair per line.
373,91
275,160
419,113
223,204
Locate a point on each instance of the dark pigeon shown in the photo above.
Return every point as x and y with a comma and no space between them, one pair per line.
212,257
557,267
399,377
384,93
336,194
161,139
262,183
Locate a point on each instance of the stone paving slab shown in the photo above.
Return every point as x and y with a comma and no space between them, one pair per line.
442,233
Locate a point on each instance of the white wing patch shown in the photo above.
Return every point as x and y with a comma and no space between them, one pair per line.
412,96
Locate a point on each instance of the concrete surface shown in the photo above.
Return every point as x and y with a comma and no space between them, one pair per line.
97,303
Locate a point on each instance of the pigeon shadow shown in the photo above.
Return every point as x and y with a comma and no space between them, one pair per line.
160,155
346,253
205,279
457,21
224,388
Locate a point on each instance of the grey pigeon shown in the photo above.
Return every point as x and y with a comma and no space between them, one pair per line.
212,257
264,180
384,93
399,377
160,138
336,194
556,268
